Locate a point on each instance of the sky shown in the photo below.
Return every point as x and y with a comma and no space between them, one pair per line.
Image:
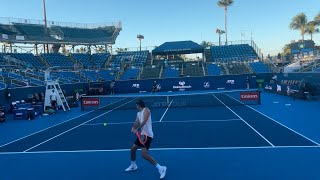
177,20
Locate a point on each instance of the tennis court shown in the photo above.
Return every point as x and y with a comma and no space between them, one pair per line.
226,140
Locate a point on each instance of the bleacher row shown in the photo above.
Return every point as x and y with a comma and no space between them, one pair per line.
135,58
55,59
52,33
239,52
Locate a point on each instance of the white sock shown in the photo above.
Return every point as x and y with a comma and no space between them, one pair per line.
158,166
133,163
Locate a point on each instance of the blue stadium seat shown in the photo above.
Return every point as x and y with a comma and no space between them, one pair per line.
100,59
29,59
56,59
171,72
259,67
91,75
130,73
229,53
108,75
135,58
2,85
214,70
83,59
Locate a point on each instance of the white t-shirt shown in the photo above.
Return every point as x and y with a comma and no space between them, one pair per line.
53,96
148,126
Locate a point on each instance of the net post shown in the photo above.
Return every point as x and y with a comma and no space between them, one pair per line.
81,102
259,94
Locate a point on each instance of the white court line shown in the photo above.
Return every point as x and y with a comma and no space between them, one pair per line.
45,129
77,126
244,121
191,121
51,126
276,121
99,124
165,111
163,149
187,121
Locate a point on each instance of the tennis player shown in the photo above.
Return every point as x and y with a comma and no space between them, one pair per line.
143,122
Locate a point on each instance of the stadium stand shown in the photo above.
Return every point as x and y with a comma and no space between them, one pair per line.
2,85
69,76
56,59
238,68
171,72
30,29
30,59
6,29
91,76
135,58
213,70
73,34
259,67
193,69
240,52
150,72
100,59
130,73
108,75
84,59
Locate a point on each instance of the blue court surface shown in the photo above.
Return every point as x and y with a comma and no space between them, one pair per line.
278,139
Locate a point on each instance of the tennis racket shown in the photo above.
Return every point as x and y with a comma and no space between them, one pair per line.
142,136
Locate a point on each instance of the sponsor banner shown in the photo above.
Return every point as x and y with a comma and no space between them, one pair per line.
186,84
182,86
90,102
230,81
137,86
249,96
268,87
279,89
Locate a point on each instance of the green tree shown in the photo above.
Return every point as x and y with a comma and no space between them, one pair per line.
286,49
300,22
206,44
317,19
312,28
225,4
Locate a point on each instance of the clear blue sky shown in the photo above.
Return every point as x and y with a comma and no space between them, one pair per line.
173,20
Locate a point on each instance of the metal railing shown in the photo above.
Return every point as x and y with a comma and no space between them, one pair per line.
9,21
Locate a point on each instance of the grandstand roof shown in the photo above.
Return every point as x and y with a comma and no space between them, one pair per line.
178,47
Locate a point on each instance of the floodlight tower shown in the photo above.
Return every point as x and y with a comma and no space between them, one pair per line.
45,22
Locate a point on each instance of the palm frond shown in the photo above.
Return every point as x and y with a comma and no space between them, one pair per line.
225,3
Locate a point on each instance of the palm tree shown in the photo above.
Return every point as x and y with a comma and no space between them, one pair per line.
312,29
206,44
300,22
317,19
219,31
225,4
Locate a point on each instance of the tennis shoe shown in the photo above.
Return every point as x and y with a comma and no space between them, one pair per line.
163,172
132,168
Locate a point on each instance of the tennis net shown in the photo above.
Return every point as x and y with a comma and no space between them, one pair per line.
221,98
